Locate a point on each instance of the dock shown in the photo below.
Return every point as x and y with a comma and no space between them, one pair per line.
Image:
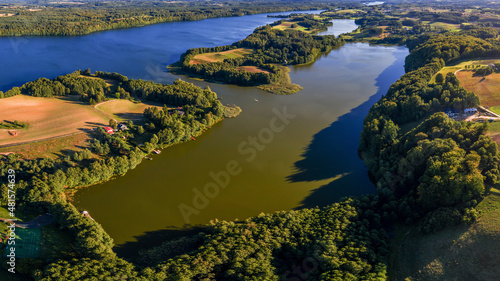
86,214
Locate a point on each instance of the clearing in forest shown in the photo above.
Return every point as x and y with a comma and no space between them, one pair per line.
455,253
220,56
254,69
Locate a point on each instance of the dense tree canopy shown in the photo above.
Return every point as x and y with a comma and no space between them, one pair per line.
441,162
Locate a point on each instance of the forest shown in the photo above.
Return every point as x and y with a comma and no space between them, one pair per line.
271,47
429,169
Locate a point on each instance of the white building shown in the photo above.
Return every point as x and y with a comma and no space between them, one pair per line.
470,110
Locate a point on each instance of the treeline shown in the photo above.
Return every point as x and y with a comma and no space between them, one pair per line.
51,19
270,47
345,241
441,167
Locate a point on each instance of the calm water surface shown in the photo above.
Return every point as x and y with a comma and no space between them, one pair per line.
310,161
339,27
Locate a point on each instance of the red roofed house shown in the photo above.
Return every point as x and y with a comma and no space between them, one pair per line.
109,130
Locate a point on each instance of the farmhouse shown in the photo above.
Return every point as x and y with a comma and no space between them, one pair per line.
470,110
109,130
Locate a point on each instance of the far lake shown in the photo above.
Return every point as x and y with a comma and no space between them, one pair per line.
310,161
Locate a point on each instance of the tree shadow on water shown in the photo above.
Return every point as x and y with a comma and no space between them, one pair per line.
333,154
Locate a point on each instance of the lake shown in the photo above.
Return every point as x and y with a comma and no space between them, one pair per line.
281,153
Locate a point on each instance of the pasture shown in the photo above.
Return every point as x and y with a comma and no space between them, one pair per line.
286,25
485,87
253,69
220,56
48,117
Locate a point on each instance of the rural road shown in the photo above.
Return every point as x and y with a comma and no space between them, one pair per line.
37,222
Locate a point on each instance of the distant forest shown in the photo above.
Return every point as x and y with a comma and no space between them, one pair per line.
271,47
46,18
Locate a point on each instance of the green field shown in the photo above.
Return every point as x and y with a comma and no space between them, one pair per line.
455,253
486,87
283,86
344,12
220,56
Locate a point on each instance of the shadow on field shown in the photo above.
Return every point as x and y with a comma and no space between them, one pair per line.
130,116
130,250
333,152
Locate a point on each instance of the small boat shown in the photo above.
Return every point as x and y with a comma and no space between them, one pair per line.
145,157
256,100
157,151
193,138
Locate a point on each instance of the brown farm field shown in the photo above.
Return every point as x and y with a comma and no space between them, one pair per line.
47,117
59,124
220,56
254,69
487,87
124,109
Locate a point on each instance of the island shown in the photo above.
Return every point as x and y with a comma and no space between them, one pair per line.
430,144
